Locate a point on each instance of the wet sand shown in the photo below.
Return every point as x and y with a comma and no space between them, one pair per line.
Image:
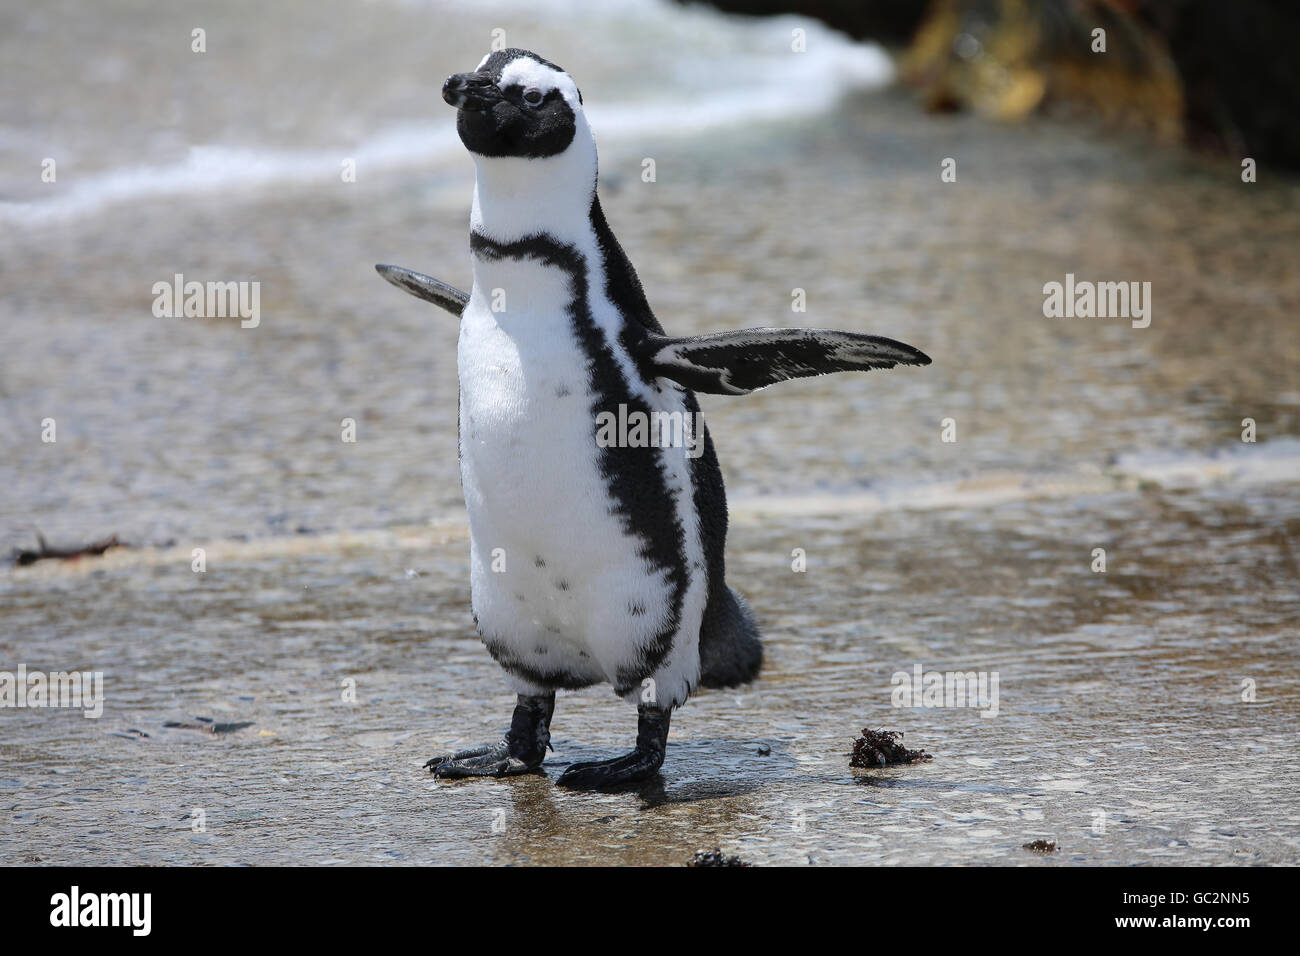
1120,732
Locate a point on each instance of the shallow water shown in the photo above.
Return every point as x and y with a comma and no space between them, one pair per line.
1121,732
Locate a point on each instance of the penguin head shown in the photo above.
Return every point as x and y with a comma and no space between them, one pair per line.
515,104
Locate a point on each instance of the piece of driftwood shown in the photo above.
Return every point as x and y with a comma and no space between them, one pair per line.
24,556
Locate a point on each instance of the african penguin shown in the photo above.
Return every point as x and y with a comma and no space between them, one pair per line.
596,554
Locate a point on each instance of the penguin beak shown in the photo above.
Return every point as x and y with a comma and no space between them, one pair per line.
471,91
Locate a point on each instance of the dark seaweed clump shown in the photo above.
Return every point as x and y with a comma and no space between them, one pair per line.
714,857
1041,846
880,748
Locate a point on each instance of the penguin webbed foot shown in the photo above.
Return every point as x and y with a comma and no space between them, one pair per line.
489,760
520,751
643,762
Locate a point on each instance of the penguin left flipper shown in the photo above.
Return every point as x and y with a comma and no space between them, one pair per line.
737,363
425,287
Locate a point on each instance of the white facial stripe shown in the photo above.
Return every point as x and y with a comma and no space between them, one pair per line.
528,73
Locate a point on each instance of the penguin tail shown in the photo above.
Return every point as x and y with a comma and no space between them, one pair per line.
731,652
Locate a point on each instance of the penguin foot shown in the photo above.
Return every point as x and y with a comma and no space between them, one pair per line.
492,760
520,751
645,761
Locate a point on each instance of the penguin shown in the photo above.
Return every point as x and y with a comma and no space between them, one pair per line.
596,550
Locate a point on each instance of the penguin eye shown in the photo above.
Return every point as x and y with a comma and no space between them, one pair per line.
533,97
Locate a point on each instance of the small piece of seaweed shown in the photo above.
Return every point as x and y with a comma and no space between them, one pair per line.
1041,846
714,857
231,727
211,726
880,748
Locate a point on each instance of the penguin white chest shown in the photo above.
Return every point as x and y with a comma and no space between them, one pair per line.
559,585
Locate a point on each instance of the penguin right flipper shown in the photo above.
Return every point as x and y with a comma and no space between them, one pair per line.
426,287
737,363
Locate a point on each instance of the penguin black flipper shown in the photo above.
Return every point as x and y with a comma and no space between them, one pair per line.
737,363
426,287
